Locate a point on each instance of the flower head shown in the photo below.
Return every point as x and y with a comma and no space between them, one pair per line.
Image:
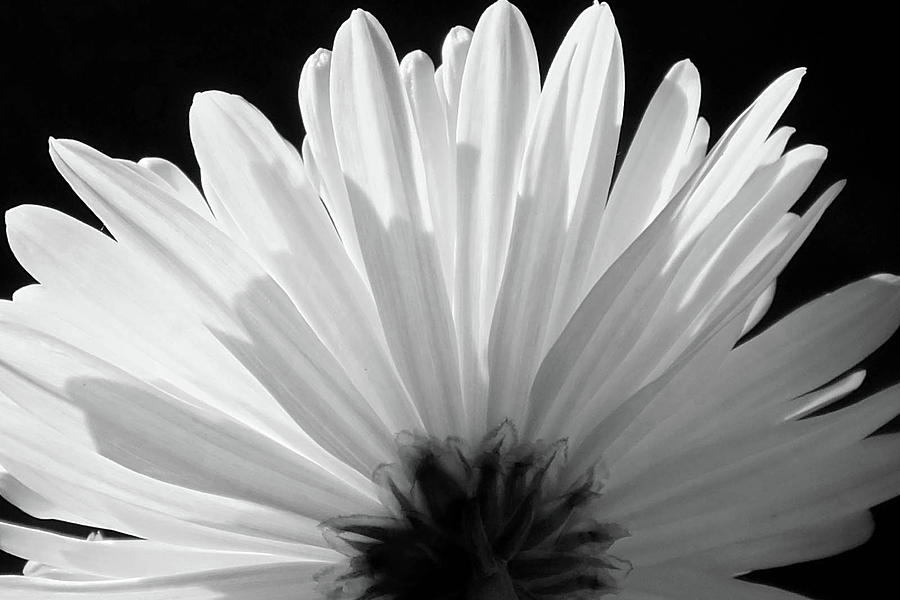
441,351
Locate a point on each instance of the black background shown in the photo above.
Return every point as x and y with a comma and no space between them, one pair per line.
120,76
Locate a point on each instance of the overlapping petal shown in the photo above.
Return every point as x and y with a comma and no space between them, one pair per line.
448,251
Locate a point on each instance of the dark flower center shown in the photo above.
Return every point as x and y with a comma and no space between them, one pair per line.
490,524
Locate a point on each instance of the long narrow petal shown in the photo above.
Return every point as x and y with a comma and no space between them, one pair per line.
809,490
594,119
679,583
760,306
728,457
282,581
696,152
386,183
697,285
116,558
448,78
737,154
528,288
314,95
652,165
786,360
110,496
807,541
29,501
645,270
241,303
695,412
157,435
183,186
749,280
260,181
95,293
417,71
498,96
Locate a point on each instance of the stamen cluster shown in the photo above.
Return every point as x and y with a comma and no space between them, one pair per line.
495,523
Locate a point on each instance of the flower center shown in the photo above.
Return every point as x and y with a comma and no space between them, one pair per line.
490,524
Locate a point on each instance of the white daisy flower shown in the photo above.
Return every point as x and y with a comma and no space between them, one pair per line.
440,352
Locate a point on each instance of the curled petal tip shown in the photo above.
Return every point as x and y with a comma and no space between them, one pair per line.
209,98
63,144
318,62
684,64
820,151
360,15
201,98
459,34
501,7
321,58
415,60
9,217
888,278
418,56
795,74
685,71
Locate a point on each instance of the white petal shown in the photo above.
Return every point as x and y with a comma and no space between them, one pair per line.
247,311
95,294
602,333
314,96
760,307
184,188
806,349
655,405
116,558
595,117
753,451
620,302
813,401
261,182
498,95
749,280
440,171
806,542
751,277
697,413
449,80
736,155
696,152
386,182
776,144
150,432
646,180
764,483
714,263
674,583
29,501
110,496
282,581
312,170
526,295
221,218
562,379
